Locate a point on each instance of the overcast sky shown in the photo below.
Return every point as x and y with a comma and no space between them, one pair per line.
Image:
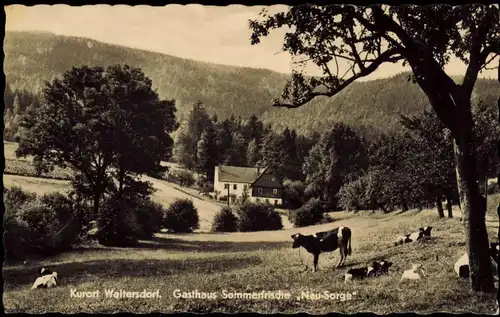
205,33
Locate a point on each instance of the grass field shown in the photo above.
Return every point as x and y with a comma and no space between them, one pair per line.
254,262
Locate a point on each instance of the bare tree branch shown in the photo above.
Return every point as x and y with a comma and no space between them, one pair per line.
343,84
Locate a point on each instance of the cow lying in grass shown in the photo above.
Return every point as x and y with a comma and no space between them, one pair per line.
414,236
377,268
462,265
46,279
327,241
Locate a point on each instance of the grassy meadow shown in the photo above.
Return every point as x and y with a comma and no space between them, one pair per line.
254,262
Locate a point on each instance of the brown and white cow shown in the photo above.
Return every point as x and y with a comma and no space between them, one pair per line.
326,241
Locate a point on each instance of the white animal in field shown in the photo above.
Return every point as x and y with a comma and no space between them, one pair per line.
45,281
417,272
462,267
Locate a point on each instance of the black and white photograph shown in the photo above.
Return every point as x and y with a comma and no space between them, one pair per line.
306,158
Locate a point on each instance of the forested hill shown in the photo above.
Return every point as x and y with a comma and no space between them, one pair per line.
33,57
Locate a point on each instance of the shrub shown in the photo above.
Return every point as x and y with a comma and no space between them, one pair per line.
15,197
39,226
352,195
258,217
294,193
201,181
327,219
181,216
186,178
225,221
68,214
149,215
181,177
117,224
309,214
16,236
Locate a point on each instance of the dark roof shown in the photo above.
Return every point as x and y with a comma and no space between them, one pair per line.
267,179
236,174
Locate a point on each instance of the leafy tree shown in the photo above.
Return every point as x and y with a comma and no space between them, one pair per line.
272,153
237,152
207,152
106,124
290,158
224,141
432,157
423,37
253,153
197,121
254,129
183,148
339,156
487,134
190,134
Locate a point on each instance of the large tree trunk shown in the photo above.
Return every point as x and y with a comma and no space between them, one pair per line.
439,206
474,212
451,103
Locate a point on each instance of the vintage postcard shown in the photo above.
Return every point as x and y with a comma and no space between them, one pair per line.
270,159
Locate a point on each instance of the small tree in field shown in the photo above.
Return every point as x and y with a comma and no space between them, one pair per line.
350,42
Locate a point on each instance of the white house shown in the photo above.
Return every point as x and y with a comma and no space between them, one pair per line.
260,183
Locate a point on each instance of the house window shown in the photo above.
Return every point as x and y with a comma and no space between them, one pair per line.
235,187
275,191
245,187
226,186
267,201
275,202
259,191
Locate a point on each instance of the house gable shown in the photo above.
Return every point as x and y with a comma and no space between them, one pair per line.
267,180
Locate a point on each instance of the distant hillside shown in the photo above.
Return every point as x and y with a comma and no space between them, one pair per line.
34,57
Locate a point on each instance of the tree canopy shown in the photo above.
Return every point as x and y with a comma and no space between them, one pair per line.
107,124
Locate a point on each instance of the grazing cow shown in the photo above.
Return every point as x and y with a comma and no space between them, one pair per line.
426,231
46,281
462,266
327,241
416,272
